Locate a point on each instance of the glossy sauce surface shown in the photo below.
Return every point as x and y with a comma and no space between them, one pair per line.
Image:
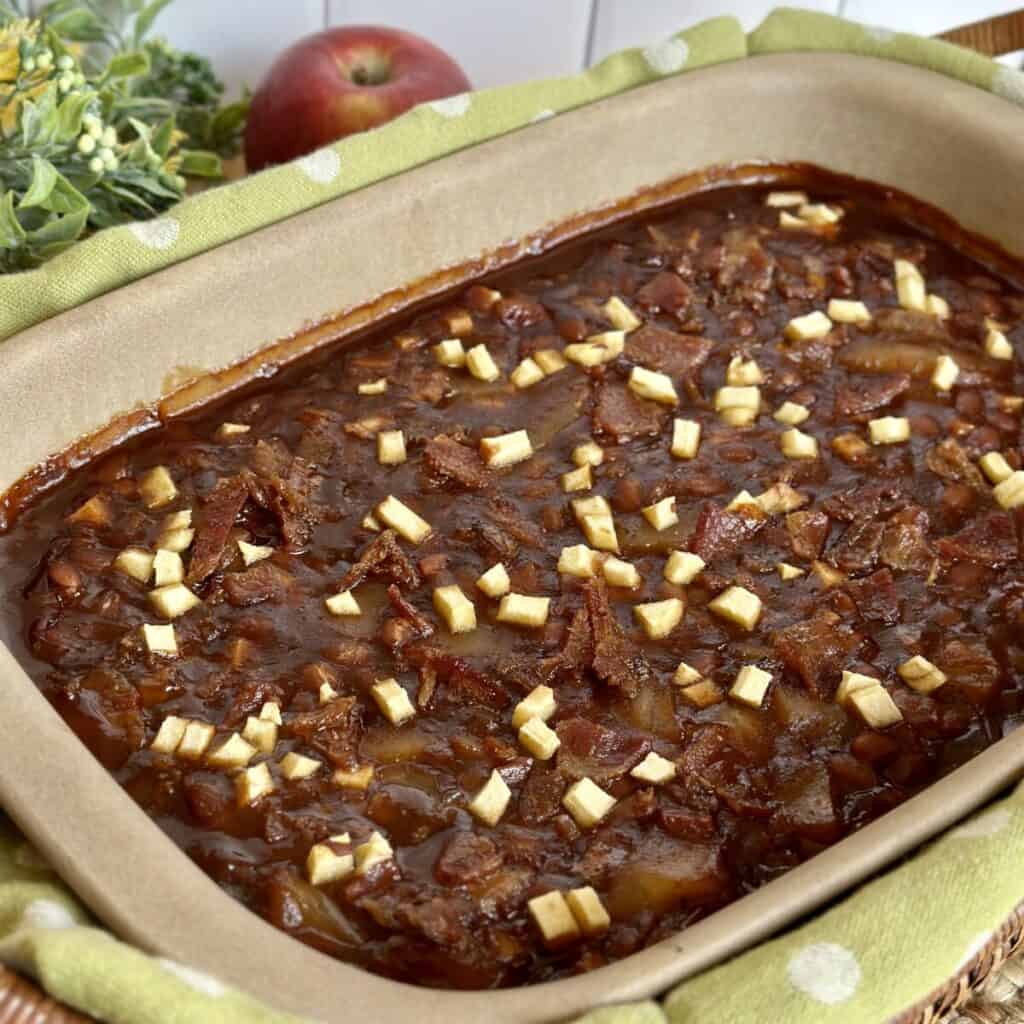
903,547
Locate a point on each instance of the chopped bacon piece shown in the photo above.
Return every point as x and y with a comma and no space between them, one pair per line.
283,484
216,520
617,661
620,416
665,291
464,682
719,533
970,668
456,463
383,558
406,611
817,650
808,532
992,541
949,460
334,730
466,857
876,597
678,355
905,541
857,401
591,750
857,549
263,582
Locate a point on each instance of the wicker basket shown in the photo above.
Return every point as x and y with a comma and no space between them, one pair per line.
990,988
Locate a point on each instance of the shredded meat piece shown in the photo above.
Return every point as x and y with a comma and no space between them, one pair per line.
808,532
857,549
620,416
905,541
876,597
589,749
465,684
333,730
466,857
540,797
992,541
865,502
507,518
405,610
383,558
615,661
452,462
678,355
248,699
262,582
282,483
216,520
869,395
816,649
320,439
489,542
719,533
665,291
949,460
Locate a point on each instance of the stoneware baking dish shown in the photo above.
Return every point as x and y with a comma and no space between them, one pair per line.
950,145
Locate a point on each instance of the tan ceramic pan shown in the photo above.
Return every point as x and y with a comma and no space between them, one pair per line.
945,143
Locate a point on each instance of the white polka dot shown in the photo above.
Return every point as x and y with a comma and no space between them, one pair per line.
1009,84
974,947
204,983
47,914
451,106
542,115
666,57
826,972
879,34
988,824
161,233
321,166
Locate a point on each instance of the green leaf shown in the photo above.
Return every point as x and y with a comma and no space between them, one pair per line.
12,234
58,234
144,22
69,116
161,139
127,65
79,24
198,163
44,177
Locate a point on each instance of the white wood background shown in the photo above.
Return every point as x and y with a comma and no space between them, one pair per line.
500,41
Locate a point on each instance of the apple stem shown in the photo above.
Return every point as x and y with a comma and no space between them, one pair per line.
370,71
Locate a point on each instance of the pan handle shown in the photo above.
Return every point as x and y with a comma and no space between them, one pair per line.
1002,33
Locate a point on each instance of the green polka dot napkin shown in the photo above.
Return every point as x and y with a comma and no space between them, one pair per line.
868,957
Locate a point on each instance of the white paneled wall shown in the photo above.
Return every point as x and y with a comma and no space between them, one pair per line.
499,41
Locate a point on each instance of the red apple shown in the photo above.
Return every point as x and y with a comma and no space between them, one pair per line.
339,82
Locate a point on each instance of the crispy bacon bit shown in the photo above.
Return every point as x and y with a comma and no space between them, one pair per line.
467,857
334,730
857,549
949,460
464,682
665,291
719,534
808,532
971,669
384,559
817,650
408,613
678,355
905,541
283,484
216,520
615,660
590,750
451,462
856,401
876,597
620,416
865,502
263,582
992,541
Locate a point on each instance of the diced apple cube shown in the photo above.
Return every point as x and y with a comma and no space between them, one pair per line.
791,222
481,364
169,735
792,413
135,562
744,500
910,287
495,582
654,769
848,311
261,733
343,604
271,712
945,373
253,553
782,199
376,850
297,766
659,618
196,738
95,511
781,498
742,372
599,529
876,707
746,398
391,447
539,740
176,540
325,865
507,449
327,693
403,520
738,605
662,514
936,305
828,576
538,703
588,454
174,600
589,911
850,448
180,520
374,387
370,523
226,431
167,568
820,214
393,701
995,467
808,327
491,802
526,374
1010,492
579,479
593,505
750,686
455,608
587,802
524,611
160,640
620,315
889,430
685,675
921,675
789,572
358,779
795,444
685,439
683,567
554,919
702,694
621,574
234,752
550,360
253,783
650,384
851,682
579,560
597,349
450,353
459,322
157,487
997,345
